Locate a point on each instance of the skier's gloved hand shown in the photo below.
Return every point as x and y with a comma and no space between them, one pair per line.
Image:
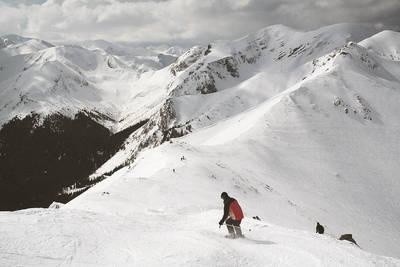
221,222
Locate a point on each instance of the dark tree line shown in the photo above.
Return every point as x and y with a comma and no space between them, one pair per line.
38,160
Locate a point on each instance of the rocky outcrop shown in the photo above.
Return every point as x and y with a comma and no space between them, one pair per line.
202,76
195,74
187,59
161,127
348,237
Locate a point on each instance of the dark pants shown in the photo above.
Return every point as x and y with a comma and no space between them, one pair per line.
234,227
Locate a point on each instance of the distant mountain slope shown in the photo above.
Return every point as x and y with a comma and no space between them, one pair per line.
49,95
68,79
139,57
18,45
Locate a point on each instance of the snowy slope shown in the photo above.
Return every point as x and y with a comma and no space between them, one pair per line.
81,238
311,136
300,127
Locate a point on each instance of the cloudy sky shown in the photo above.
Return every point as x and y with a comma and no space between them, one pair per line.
181,21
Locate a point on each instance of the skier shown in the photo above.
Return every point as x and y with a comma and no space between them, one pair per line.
233,216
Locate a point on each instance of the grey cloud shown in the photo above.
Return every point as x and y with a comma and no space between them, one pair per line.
177,21
22,2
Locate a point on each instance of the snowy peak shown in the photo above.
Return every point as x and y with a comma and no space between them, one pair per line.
285,56
18,45
51,80
357,56
139,57
12,39
80,59
67,79
175,51
386,44
206,67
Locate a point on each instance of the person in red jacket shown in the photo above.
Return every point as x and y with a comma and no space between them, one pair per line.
233,216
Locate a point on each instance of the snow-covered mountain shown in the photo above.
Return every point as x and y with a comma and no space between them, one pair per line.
16,45
139,57
67,79
49,92
304,126
300,127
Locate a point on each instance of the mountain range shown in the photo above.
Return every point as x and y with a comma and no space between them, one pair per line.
298,126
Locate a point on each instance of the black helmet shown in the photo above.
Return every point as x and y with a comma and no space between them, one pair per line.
224,195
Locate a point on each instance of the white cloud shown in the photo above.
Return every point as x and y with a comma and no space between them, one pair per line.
181,20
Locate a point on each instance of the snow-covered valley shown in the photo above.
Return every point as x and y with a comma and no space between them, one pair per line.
299,127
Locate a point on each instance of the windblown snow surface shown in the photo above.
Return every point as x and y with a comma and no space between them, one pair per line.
299,127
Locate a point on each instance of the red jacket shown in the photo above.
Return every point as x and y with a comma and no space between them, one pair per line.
235,211
232,209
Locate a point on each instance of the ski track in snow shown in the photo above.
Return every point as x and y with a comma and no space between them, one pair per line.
79,238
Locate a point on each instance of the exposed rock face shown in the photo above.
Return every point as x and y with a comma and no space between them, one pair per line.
199,71
159,129
187,59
